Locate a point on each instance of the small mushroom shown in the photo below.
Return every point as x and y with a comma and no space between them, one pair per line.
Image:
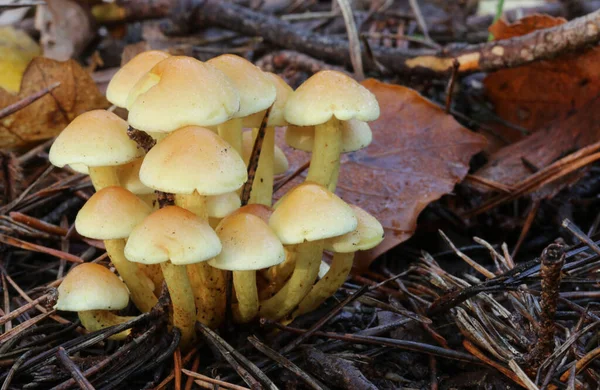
305,216
110,215
368,234
174,237
97,140
93,291
257,93
324,100
249,244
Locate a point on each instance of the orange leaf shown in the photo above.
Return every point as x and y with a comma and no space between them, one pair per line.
47,116
501,30
418,154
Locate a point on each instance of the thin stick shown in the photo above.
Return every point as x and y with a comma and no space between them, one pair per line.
291,176
467,259
353,39
190,381
494,185
177,368
451,82
50,298
6,111
75,372
15,367
535,206
570,226
419,17
254,157
4,337
213,381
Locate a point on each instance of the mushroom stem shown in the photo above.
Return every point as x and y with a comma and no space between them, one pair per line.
93,320
328,285
326,152
208,284
153,272
334,177
139,285
231,131
247,295
180,290
262,188
103,177
278,274
193,202
308,259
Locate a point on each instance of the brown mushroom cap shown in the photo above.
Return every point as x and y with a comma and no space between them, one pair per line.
111,213
122,82
175,234
181,91
329,94
90,286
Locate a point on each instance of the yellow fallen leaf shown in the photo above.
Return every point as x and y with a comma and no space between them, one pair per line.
17,49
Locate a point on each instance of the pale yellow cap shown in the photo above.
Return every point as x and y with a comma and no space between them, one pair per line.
368,234
256,90
356,135
258,210
219,206
175,234
80,168
276,115
111,213
131,73
90,286
95,138
193,158
329,94
280,161
181,91
248,244
129,178
310,212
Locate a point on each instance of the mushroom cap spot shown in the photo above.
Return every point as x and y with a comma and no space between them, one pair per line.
90,286
175,234
368,234
181,91
121,83
356,135
329,94
193,159
111,213
310,212
248,244
256,90
95,138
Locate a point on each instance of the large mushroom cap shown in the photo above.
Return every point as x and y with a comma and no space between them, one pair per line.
248,244
193,158
368,234
181,91
276,115
95,138
172,233
111,213
257,91
280,162
90,286
329,94
310,212
356,135
122,82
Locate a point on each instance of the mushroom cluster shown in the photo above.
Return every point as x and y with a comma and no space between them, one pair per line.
202,119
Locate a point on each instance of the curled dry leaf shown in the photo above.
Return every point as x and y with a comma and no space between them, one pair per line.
418,154
47,116
557,100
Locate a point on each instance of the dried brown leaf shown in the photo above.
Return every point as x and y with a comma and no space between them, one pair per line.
47,116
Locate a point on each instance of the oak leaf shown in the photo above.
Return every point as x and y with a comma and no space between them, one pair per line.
47,116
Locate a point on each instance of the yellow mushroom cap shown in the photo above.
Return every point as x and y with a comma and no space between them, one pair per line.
276,115
368,234
248,244
256,90
80,168
329,94
95,138
280,162
356,135
111,213
181,91
122,82
129,178
172,233
219,206
258,210
310,212
90,286
193,158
